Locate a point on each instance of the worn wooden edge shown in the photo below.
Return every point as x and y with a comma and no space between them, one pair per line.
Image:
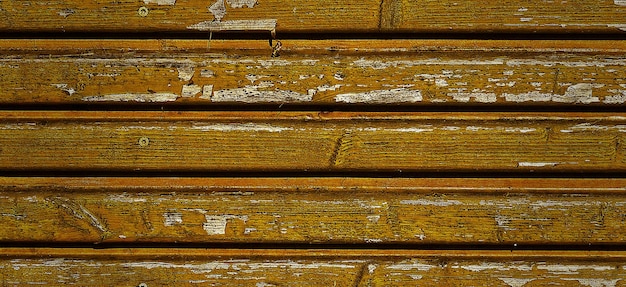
16,46
328,184
199,253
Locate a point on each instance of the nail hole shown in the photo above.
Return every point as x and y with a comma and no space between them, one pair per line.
144,141
142,285
143,11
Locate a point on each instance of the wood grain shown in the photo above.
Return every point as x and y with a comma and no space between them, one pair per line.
176,267
309,73
310,141
578,16
546,212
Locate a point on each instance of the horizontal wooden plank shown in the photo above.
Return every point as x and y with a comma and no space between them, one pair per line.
311,141
307,74
578,16
297,268
321,210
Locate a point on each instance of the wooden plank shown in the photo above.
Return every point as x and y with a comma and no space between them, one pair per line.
578,16
311,141
546,212
571,75
131,267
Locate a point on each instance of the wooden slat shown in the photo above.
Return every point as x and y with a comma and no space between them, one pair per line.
307,73
140,267
580,16
310,141
304,210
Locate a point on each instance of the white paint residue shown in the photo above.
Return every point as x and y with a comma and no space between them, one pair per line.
263,284
441,202
537,164
495,266
142,98
160,2
371,268
578,93
185,73
520,130
572,269
595,282
373,240
215,224
415,276
234,25
249,127
401,95
252,94
373,218
64,87
324,88
172,218
620,2
478,97
207,92
621,27
241,3
125,198
618,98
441,82
412,265
190,90
516,282
66,12
218,9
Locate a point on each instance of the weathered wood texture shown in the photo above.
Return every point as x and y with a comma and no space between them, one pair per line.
311,141
202,267
605,16
321,210
310,73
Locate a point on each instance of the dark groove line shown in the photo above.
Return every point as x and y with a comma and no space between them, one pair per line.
319,35
556,246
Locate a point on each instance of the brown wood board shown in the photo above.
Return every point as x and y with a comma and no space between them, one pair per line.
463,73
540,212
163,16
311,141
193,267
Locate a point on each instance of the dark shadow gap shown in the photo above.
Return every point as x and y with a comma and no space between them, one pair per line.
122,35
557,246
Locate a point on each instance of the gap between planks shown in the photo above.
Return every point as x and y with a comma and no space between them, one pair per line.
199,253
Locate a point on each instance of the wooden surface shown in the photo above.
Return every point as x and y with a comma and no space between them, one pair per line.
201,267
542,212
311,141
370,143
297,16
495,73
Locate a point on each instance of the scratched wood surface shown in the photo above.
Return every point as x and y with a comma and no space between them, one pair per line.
311,141
311,73
578,16
201,267
546,212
